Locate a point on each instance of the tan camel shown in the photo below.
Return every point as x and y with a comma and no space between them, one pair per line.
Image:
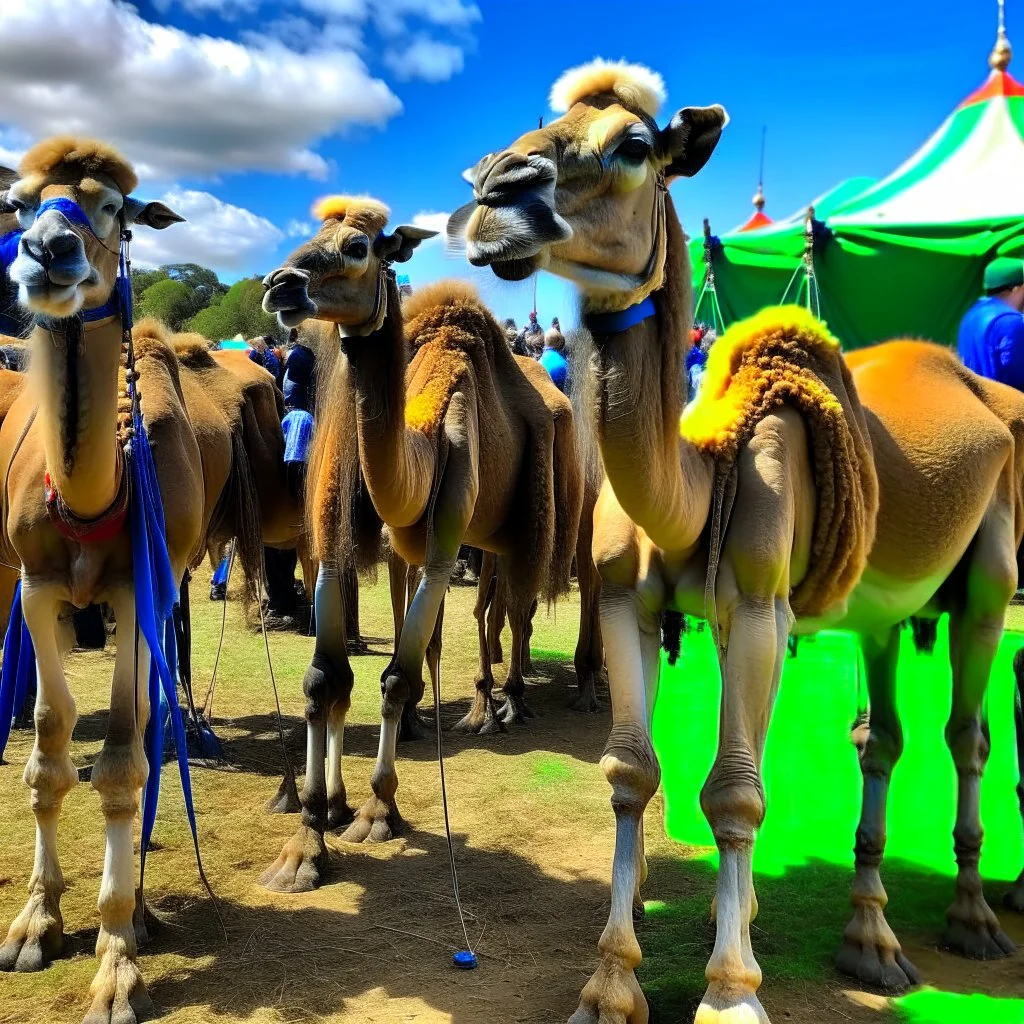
758,511
63,429
456,446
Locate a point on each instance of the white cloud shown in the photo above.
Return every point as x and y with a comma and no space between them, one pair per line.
299,229
215,234
391,16
427,59
178,104
432,222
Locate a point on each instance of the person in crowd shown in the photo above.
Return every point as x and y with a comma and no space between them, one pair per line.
553,357
702,338
991,338
533,336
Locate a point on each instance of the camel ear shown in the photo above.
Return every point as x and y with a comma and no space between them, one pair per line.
399,245
152,215
690,139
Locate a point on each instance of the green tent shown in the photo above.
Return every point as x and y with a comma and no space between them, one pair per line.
902,256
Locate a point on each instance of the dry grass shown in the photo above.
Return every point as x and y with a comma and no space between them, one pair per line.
532,831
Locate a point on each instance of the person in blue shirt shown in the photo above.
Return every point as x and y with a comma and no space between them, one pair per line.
553,357
991,338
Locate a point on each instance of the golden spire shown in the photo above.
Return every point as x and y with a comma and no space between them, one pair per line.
1002,52
758,199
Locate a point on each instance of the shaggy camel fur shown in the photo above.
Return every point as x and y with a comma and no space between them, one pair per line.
64,430
680,528
456,446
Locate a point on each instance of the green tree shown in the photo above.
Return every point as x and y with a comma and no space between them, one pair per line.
143,279
240,311
170,302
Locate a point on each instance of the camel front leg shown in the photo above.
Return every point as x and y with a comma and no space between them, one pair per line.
482,718
36,936
328,689
733,801
975,629
870,951
589,657
118,992
630,765
450,512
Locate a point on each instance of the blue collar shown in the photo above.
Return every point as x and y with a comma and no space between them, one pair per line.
109,308
621,320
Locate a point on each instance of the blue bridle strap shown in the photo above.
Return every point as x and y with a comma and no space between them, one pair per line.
68,208
621,320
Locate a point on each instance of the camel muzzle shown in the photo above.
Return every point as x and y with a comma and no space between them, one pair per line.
286,295
50,254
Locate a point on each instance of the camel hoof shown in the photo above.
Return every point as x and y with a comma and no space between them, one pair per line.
612,996
480,721
586,702
301,865
725,1004
978,942
375,822
515,711
878,967
34,940
110,1005
286,799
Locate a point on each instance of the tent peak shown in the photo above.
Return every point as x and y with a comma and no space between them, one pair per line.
1002,53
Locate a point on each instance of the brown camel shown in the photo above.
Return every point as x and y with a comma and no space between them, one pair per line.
456,446
760,510
63,430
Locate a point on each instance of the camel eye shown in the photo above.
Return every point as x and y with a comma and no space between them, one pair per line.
356,250
110,209
634,150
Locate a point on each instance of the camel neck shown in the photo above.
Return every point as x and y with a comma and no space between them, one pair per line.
74,373
396,462
662,482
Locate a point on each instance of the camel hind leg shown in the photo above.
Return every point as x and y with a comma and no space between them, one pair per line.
521,606
482,717
589,657
975,629
870,951
36,936
1014,899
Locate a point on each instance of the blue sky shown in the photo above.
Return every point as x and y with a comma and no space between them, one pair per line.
396,97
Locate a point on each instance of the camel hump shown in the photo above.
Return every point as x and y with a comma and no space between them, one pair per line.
192,350
451,311
151,339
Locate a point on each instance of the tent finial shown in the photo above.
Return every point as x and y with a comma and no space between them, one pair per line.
758,199
1002,53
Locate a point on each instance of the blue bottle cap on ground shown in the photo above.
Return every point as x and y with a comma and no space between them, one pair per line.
465,959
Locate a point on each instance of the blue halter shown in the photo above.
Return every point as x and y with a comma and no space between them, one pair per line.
621,320
156,589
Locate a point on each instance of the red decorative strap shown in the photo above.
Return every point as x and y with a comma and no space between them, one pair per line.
89,531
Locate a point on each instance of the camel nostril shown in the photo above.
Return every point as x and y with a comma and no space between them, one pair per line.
62,244
507,176
33,248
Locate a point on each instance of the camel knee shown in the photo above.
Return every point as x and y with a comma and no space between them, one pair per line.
883,749
733,797
50,777
968,744
631,767
395,692
119,773
325,684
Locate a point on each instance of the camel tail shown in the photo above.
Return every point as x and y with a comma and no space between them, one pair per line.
246,521
568,485
925,633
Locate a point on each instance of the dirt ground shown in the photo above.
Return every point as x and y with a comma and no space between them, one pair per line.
533,837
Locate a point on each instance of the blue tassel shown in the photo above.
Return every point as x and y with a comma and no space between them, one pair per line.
9,671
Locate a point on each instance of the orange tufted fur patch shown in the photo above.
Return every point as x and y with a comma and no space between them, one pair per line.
636,87
87,155
362,212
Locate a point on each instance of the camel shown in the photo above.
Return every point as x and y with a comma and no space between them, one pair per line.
457,446
64,504
800,492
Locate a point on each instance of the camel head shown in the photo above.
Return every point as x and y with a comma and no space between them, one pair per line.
581,195
71,199
338,275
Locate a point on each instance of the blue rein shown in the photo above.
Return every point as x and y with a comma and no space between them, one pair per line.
156,589
621,320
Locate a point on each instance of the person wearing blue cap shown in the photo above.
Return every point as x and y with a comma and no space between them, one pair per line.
991,338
